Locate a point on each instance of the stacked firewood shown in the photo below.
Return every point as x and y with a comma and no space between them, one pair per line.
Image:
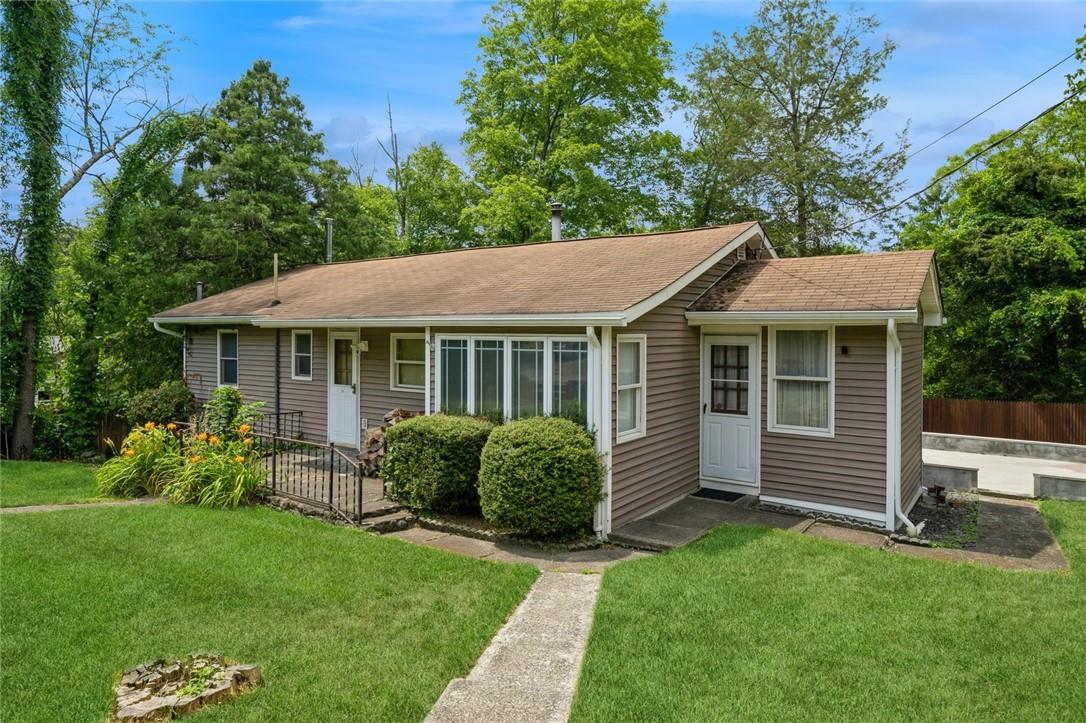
372,456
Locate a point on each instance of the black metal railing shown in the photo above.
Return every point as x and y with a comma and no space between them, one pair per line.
290,424
319,475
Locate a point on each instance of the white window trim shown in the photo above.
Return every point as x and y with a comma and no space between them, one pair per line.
218,357
294,354
507,360
771,391
641,429
393,361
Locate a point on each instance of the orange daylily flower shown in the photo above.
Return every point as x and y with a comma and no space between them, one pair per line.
239,458
129,453
213,439
171,426
201,436
149,425
248,441
244,429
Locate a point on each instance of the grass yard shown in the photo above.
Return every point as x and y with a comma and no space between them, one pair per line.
758,624
347,626
45,483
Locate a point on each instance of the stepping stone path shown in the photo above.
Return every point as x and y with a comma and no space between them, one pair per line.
529,671
169,689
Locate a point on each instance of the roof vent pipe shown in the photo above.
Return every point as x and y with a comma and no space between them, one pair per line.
556,221
199,290
327,240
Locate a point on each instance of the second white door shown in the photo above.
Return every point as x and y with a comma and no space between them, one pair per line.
729,401
342,388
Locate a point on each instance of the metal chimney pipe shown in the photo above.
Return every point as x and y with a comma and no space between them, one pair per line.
556,221
199,290
327,240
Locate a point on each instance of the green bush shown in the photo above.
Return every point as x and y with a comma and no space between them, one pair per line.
432,463
168,402
541,477
218,472
226,411
149,459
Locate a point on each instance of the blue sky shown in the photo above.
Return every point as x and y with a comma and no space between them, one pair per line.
953,59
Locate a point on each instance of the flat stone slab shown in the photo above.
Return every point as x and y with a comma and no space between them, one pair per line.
167,689
529,671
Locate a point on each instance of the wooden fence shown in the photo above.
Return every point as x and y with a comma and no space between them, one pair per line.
111,427
1034,421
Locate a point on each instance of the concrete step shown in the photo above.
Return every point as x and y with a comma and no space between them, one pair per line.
393,522
379,508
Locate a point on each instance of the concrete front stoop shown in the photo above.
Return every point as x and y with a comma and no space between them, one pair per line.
529,672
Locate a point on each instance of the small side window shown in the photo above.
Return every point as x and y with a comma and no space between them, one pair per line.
228,358
408,363
302,355
630,388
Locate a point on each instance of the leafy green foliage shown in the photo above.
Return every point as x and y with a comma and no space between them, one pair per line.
1010,244
779,113
226,411
432,462
435,192
34,63
218,472
565,107
540,476
170,401
150,457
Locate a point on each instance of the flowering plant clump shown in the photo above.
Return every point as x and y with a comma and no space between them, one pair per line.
205,469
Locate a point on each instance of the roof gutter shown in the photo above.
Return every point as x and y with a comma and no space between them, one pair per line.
696,318
615,319
196,320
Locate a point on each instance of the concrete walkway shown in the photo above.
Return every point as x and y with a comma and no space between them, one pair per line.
583,561
80,505
1005,475
529,671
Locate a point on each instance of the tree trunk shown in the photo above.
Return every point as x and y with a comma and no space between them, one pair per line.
22,443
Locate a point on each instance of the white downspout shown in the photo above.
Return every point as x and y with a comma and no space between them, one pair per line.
597,415
164,330
426,366
603,415
893,426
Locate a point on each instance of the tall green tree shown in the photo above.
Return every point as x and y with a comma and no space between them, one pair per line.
1009,235
779,114
566,106
35,61
435,193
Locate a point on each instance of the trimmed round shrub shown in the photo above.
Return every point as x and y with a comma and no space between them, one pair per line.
432,463
168,402
540,477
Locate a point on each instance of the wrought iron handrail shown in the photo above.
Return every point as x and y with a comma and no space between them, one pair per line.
317,474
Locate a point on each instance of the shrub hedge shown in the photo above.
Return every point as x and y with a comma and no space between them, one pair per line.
540,477
432,463
168,402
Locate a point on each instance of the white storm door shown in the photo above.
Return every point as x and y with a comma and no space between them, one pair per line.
729,401
342,388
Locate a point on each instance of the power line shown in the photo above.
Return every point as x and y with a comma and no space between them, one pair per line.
964,163
993,105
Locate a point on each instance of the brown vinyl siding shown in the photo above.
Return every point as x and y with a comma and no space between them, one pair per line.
912,409
848,470
201,356
664,464
378,398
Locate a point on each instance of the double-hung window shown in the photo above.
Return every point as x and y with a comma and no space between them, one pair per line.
630,387
228,358
408,362
801,381
301,354
514,377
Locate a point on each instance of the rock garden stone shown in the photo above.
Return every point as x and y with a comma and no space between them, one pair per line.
167,689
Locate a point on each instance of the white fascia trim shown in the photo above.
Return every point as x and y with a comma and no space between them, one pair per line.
866,515
697,318
444,321
643,307
203,320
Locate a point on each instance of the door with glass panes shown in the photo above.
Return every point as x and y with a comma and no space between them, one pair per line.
728,411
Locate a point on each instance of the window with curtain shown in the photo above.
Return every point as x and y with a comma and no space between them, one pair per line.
489,377
527,379
302,353
569,380
408,362
454,376
802,379
630,388
228,358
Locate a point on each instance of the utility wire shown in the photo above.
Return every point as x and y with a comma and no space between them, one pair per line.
964,163
993,105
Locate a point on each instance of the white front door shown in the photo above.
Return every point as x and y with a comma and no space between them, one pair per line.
342,388
729,420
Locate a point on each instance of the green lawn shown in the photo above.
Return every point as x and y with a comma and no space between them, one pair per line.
346,625
45,483
758,624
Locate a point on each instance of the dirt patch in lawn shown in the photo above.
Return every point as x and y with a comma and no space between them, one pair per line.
951,522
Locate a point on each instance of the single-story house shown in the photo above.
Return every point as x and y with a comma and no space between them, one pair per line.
698,357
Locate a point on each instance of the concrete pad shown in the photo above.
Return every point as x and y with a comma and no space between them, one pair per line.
1005,475
529,671
417,535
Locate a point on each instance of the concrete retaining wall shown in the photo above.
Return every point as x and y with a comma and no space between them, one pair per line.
1006,447
952,478
1063,488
